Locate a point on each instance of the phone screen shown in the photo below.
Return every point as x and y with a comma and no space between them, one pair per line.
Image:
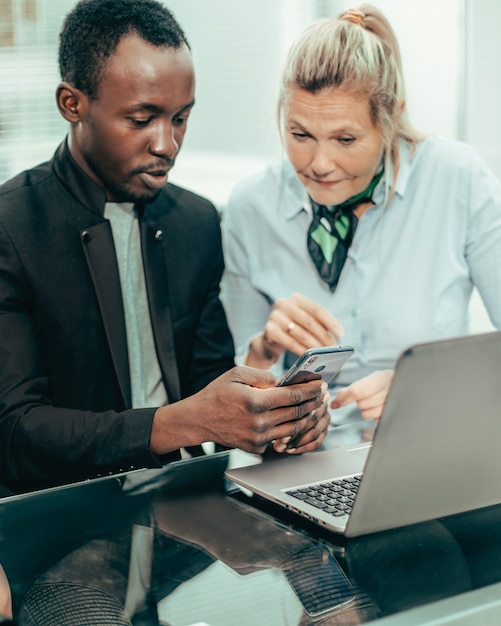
316,364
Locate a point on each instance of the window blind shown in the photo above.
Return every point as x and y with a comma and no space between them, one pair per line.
30,126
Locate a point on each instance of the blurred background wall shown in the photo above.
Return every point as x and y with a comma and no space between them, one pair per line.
451,56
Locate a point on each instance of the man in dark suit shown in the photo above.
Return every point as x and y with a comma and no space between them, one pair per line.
114,348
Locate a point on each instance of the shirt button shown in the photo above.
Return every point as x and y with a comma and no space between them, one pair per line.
159,235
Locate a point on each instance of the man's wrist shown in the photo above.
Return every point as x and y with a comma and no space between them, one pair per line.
176,426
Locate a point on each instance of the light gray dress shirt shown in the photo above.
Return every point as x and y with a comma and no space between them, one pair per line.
147,387
411,267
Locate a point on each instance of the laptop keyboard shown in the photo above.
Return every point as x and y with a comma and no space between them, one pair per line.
332,496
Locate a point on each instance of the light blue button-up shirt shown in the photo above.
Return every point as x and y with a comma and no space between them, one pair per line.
411,267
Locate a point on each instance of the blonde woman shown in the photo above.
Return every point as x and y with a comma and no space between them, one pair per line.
368,230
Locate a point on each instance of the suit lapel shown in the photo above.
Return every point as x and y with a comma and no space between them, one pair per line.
97,243
154,260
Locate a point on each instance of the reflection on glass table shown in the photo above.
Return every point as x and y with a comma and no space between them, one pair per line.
181,550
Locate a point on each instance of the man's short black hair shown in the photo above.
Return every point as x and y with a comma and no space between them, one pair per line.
93,29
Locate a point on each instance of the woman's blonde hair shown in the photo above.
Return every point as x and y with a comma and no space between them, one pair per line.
358,52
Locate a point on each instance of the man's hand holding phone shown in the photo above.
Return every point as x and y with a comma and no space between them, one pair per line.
311,439
316,363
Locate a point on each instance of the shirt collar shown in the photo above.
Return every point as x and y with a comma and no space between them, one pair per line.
79,185
296,197
406,154
404,170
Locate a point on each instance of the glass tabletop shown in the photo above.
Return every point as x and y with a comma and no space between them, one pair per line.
184,547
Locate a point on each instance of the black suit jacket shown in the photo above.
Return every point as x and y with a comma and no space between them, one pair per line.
64,380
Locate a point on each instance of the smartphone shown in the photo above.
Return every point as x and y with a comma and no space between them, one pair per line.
317,363
318,582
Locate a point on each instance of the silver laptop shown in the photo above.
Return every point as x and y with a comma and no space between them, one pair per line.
436,450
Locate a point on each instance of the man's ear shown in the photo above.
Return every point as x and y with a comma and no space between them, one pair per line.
70,102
